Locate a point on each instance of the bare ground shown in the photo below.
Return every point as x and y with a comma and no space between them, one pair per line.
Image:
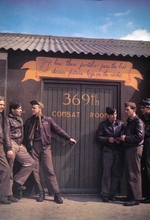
75,207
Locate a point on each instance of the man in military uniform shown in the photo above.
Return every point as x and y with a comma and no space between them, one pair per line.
38,132
109,133
145,110
5,171
15,149
133,140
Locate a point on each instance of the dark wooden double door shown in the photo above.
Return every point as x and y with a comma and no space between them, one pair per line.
78,108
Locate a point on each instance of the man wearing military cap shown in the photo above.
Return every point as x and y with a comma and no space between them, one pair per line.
15,149
133,140
145,110
109,132
38,131
145,102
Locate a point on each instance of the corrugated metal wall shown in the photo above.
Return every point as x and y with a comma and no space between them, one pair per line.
78,108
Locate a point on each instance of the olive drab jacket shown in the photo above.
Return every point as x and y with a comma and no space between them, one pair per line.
13,130
48,125
135,132
107,129
146,119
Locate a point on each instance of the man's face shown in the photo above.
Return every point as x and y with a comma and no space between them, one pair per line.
144,110
2,106
36,110
112,117
17,112
129,112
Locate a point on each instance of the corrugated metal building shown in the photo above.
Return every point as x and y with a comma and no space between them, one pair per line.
75,78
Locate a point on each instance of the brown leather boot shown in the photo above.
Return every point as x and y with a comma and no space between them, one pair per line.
41,197
57,198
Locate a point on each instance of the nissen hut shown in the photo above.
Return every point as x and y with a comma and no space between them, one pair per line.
75,78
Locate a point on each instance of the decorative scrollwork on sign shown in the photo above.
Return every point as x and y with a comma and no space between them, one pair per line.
82,69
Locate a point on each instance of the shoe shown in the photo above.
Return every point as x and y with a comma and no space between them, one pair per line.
19,187
57,198
5,201
41,197
17,194
112,198
12,199
105,199
147,200
131,203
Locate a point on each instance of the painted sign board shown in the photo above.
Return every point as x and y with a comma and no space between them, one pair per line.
82,69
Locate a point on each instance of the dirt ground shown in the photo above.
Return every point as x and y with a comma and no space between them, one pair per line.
75,207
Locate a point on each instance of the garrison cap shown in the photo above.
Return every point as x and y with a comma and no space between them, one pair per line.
110,110
130,104
14,105
145,102
34,102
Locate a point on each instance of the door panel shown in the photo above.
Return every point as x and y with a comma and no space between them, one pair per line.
58,99
78,109
91,115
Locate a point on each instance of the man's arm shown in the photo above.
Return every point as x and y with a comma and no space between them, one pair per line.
7,137
58,130
101,136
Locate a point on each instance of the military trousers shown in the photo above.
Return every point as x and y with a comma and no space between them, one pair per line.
147,163
43,159
5,173
24,158
133,172
113,163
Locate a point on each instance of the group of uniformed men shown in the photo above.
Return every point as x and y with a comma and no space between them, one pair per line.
30,144
123,148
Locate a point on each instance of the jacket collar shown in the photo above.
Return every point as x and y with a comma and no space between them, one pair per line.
132,119
111,123
17,118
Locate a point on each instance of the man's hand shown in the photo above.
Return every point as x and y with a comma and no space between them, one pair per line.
117,140
111,140
122,138
72,141
10,154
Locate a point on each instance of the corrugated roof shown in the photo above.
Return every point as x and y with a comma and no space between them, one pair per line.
74,45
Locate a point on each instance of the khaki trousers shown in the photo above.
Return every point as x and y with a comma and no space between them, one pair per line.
133,172
44,158
5,173
23,157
